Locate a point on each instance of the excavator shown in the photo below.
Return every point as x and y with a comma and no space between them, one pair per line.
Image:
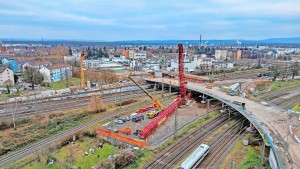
158,105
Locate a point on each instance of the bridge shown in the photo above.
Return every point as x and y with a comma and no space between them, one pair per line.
269,121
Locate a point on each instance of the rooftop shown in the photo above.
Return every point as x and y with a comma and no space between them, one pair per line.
35,63
59,66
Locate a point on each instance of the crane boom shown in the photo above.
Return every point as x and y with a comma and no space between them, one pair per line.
82,57
157,103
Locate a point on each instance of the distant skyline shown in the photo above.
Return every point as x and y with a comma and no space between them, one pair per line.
116,20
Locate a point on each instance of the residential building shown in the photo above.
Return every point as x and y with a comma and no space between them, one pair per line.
13,65
37,64
126,53
239,54
189,66
220,54
131,54
2,56
137,55
56,72
72,58
102,64
205,64
6,75
140,55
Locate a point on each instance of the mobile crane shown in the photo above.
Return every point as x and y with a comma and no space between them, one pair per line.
158,105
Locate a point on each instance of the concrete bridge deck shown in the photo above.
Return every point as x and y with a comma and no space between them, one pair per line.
272,123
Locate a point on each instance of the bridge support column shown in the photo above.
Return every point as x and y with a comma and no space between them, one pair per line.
170,87
154,86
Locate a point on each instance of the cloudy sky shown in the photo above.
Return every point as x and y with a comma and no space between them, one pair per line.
149,19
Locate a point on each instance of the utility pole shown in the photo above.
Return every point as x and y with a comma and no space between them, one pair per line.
170,87
112,153
116,95
162,88
35,103
176,123
229,116
207,110
13,114
101,87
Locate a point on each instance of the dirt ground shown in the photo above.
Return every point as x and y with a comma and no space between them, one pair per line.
185,115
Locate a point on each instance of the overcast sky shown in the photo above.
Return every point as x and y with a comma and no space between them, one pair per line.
149,19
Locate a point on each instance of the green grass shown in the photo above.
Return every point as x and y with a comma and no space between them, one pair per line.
77,149
280,85
143,155
296,108
7,96
242,159
63,84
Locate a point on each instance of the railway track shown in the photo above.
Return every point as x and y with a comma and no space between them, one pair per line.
239,75
48,141
273,95
182,147
221,144
74,95
43,108
285,98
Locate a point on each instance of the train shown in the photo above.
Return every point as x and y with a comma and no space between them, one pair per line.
195,158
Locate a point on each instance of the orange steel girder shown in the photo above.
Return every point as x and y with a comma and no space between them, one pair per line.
129,140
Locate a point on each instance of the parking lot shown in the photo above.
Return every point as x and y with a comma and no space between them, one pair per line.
185,115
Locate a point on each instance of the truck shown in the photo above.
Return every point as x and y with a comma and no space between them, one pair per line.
243,105
152,114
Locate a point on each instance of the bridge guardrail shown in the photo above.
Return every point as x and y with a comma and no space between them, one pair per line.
249,117
246,114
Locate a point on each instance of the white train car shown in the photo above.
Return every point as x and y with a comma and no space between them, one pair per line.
195,158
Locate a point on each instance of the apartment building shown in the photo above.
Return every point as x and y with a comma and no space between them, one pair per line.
56,72
6,75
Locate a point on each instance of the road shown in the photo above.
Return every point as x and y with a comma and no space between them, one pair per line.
274,121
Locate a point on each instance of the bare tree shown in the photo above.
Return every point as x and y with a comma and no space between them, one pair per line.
295,69
18,87
95,103
8,85
276,71
33,76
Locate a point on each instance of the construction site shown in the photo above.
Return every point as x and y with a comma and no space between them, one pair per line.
156,120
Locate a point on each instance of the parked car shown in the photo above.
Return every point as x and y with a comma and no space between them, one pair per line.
126,118
138,118
119,121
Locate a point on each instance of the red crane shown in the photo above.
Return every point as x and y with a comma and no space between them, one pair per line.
167,112
182,82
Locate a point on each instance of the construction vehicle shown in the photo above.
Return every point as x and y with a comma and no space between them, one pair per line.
126,131
158,105
152,114
209,86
